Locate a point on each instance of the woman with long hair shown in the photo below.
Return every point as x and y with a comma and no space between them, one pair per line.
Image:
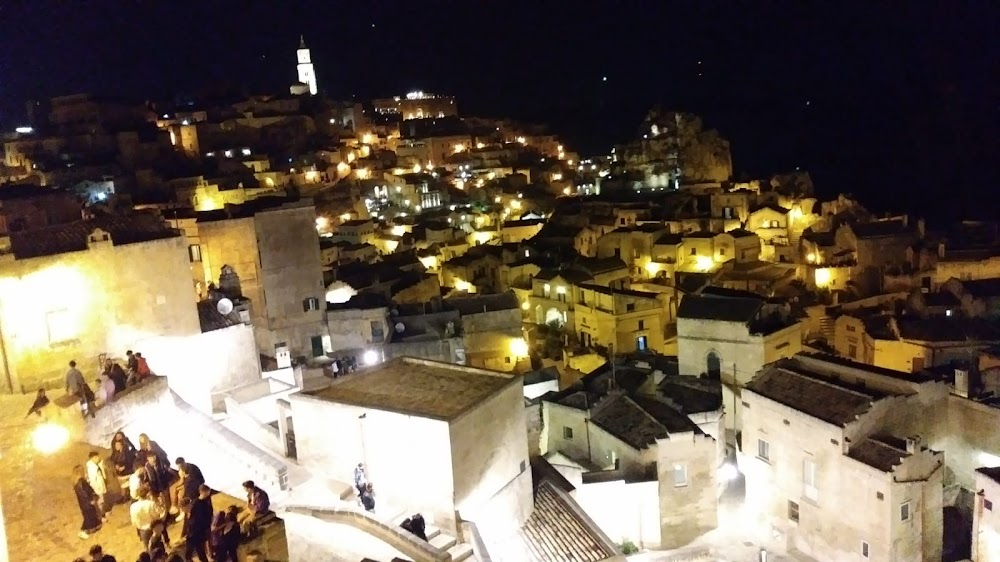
87,500
122,455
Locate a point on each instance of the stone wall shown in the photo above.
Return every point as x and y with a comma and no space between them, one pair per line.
80,305
689,510
489,453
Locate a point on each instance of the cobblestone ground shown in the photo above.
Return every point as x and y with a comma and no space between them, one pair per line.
40,510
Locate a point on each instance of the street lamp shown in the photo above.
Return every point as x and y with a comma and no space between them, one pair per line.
49,438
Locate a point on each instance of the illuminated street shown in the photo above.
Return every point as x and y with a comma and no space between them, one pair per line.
40,511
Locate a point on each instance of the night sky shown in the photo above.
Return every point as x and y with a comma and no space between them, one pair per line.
900,106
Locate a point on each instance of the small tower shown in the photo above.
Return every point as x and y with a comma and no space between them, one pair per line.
307,74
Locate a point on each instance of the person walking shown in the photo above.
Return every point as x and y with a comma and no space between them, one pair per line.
87,500
99,483
77,386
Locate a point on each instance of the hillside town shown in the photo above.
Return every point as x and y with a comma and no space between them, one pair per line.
389,330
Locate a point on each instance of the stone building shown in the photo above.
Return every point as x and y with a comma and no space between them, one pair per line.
274,249
440,439
624,319
729,336
829,445
643,457
86,288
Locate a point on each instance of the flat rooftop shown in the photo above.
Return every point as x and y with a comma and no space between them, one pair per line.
416,387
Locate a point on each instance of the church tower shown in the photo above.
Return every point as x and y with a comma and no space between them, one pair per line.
307,74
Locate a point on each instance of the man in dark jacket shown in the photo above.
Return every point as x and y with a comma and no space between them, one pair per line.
197,524
188,483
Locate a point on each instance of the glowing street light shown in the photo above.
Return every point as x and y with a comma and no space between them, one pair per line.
519,347
49,438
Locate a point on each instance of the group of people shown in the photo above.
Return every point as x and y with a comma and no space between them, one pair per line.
366,492
161,495
343,366
113,379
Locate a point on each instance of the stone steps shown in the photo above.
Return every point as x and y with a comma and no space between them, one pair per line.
460,552
443,542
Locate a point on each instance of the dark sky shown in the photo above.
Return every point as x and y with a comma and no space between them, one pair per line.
900,105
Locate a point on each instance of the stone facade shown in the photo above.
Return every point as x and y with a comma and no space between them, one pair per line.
275,252
80,305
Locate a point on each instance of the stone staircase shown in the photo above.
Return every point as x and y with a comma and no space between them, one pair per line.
826,328
459,552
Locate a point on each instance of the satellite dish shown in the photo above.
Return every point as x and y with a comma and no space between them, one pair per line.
225,306
400,327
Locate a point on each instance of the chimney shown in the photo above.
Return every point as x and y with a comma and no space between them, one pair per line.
962,382
913,444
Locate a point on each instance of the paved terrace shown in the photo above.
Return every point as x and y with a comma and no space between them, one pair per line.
39,508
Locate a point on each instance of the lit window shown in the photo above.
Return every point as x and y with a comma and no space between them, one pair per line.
568,433
545,289
793,511
865,550
947,312
680,475
904,511
763,450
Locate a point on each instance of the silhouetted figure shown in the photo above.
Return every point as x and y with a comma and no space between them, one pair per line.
418,526
41,401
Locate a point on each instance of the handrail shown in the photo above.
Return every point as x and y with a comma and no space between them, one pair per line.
476,540
405,542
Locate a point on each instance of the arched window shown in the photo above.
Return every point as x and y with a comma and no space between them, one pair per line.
714,365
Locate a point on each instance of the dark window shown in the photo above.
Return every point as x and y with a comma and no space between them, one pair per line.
694,251
852,350
194,252
865,549
630,307
567,433
851,328
378,333
880,496
764,450
310,304
904,511
793,511
642,325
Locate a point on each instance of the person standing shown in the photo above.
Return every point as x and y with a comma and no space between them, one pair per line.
231,535
360,478
76,386
87,501
158,479
99,483
143,514
188,483
197,524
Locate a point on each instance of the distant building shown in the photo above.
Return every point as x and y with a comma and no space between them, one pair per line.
417,105
306,71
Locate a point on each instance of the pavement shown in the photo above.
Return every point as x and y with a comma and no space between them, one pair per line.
39,507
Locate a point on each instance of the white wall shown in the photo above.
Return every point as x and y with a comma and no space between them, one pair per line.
986,523
489,451
624,511
408,459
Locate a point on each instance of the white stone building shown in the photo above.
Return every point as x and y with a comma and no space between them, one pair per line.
440,439
829,466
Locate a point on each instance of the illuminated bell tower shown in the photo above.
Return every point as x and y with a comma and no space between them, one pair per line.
307,74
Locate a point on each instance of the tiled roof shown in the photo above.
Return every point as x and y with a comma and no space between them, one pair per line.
555,533
725,309
211,319
72,237
624,418
812,394
991,472
877,454
948,329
